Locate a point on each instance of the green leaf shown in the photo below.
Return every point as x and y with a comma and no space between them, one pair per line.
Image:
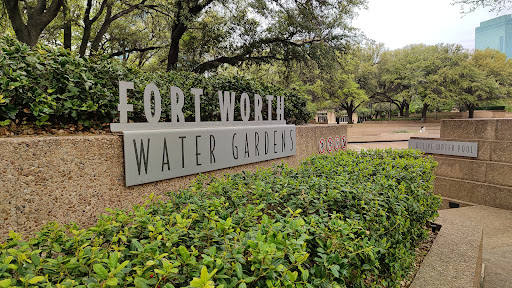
242,285
8,259
113,260
5,283
112,282
184,253
239,271
100,270
120,267
140,283
56,246
292,275
36,279
305,275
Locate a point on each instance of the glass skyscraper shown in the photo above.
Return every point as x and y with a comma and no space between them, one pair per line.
495,34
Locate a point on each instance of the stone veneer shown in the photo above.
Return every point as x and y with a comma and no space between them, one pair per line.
75,178
485,180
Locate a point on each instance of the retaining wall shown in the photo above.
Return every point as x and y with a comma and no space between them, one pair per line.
485,180
75,178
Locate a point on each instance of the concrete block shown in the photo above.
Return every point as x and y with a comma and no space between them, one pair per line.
474,129
499,174
500,151
504,129
461,168
474,192
503,197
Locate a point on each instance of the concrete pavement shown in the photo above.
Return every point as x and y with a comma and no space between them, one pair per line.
497,241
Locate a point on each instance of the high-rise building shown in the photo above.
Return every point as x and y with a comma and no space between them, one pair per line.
495,34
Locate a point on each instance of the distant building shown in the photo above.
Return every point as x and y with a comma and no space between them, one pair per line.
495,34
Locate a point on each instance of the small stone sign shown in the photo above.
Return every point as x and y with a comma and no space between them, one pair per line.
455,148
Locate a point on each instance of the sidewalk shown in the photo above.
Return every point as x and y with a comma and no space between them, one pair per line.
497,241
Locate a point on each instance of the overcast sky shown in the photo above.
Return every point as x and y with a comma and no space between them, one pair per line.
398,23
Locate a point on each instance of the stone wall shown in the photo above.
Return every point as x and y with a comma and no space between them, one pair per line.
485,180
75,178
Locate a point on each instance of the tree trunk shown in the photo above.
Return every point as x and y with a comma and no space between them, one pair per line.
406,110
350,113
88,22
401,109
85,39
67,26
38,17
471,109
178,30
103,30
424,113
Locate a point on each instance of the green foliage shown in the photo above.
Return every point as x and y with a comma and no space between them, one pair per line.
52,86
347,220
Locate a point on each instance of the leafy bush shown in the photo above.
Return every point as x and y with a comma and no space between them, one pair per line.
349,220
48,85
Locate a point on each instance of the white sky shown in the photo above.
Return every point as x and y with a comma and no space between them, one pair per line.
398,23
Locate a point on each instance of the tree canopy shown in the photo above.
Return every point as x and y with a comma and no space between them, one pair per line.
190,35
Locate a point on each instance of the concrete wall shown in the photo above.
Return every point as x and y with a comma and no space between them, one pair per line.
75,178
486,180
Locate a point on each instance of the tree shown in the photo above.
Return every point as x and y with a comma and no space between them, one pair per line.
344,87
350,97
256,31
39,15
413,73
395,79
472,5
485,76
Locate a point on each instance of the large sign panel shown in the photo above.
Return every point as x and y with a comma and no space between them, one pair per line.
156,150
467,149
158,155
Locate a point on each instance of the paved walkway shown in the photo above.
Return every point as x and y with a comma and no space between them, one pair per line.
497,241
381,136
377,145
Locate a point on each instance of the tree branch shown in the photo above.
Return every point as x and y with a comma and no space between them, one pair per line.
119,53
233,60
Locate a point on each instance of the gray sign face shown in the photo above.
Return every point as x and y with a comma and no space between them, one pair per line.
164,154
467,149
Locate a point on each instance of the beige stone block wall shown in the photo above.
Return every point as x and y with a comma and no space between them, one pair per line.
75,178
485,180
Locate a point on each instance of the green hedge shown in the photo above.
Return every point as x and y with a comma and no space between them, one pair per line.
46,85
349,220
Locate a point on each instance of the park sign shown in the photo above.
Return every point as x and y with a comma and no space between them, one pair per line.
155,150
454,148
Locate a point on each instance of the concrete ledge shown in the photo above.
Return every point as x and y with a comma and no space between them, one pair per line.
484,129
474,192
445,203
455,259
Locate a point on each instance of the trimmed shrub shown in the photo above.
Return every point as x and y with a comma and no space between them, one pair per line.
349,220
46,85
